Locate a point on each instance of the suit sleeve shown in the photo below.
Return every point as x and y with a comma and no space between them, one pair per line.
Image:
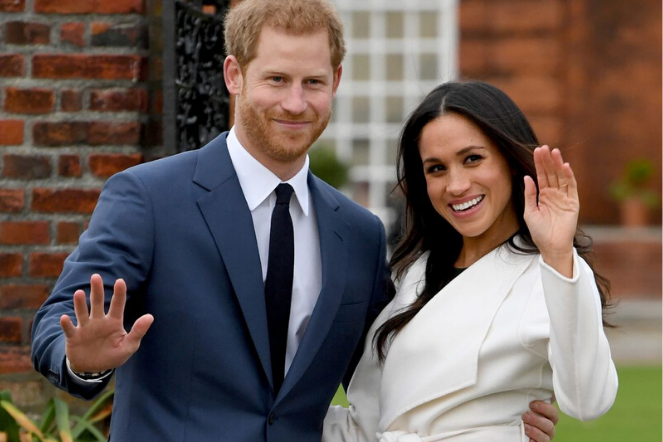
117,244
584,375
382,293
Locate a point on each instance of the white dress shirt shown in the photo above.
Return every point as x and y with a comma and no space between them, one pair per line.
258,184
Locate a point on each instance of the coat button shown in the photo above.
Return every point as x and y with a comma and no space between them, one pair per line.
271,419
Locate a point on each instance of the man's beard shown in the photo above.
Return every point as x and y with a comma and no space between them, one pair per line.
281,144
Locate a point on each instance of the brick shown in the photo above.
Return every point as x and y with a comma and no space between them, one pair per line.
73,33
472,15
12,200
11,264
68,232
12,65
29,101
15,360
11,330
473,57
117,100
105,165
71,100
46,264
22,296
526,15
64,200
26,167
97,67
25,393
118,35
120,7
12,5
114,133
70,166
535,95
27,33
90,6
11,131
59,134
525,55
64,7
25,232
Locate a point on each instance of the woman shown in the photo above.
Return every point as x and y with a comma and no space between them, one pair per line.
496,305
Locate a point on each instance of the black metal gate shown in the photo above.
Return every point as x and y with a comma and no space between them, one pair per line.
196,103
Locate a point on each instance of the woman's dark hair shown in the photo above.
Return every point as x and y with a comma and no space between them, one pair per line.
425,230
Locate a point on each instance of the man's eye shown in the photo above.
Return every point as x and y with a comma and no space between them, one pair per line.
277,79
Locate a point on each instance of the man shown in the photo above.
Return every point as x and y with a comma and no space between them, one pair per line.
187,241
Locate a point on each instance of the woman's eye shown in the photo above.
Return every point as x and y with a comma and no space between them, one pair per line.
435,169
473,158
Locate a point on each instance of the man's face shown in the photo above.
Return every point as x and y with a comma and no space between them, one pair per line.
285,96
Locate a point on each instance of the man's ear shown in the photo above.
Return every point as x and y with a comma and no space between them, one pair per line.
337,79
232,74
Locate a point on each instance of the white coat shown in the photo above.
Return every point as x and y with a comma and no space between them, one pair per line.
507,331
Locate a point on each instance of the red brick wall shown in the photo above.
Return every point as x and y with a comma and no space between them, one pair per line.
586,72
74,104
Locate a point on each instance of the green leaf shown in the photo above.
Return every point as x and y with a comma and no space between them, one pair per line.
22,419
48,418
87,426
94,414
62,420
99,404
7,422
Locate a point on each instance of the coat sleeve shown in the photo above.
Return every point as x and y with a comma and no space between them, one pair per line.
117,244
383,292
584,375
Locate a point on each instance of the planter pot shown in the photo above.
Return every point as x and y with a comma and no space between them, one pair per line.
633,213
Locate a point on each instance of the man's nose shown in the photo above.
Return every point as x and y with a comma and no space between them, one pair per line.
294,102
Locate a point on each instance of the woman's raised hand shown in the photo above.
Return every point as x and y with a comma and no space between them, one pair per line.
553,220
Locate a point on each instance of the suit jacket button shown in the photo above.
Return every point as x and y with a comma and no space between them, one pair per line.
271,419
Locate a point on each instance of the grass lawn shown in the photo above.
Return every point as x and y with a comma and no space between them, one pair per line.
635,416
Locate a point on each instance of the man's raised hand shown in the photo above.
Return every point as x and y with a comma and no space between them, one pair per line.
99,342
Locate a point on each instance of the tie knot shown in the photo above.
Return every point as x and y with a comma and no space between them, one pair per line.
283,193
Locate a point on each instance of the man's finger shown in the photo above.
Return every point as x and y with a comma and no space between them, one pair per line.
549,411
118,301
96,297
67,326
80,308
138,331
535,434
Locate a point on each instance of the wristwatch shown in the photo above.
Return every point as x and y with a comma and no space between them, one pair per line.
87,375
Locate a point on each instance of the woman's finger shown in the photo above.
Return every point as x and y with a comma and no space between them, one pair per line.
549,167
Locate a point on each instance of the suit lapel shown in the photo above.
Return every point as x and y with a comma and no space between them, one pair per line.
333,230
229,220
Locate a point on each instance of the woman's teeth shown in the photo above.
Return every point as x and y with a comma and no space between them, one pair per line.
467,204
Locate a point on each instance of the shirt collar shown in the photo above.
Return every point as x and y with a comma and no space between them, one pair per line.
258,182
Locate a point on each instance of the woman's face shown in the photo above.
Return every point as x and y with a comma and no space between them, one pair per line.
468,179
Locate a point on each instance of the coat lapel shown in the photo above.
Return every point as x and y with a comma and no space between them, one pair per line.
333,231
445,337
229,220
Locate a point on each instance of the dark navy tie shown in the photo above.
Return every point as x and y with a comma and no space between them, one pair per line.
278,283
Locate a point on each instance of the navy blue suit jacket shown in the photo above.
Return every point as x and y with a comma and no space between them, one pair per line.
178,230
